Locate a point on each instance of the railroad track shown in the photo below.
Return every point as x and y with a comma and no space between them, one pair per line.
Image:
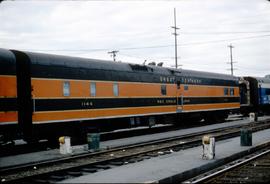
253,168
10,149
74,166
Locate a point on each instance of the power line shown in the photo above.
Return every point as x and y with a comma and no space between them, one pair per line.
102,49
251,68
150,47
227,32
225,40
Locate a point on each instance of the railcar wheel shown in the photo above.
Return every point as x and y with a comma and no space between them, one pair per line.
53,142
7,143
32,141
215,117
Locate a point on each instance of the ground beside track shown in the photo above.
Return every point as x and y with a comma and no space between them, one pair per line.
52,154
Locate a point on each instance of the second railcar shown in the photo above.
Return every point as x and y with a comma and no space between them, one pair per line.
255,95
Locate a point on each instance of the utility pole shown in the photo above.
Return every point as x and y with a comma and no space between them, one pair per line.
231,56
113,54
175,38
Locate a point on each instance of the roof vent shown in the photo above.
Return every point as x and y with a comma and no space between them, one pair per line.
152,63
160,64
138,67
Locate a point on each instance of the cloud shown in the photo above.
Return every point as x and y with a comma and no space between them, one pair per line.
92,28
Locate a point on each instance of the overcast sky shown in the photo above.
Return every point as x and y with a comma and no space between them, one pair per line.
141,30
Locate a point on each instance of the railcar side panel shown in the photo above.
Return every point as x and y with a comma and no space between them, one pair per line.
105,105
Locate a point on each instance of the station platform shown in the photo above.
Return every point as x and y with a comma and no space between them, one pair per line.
164,167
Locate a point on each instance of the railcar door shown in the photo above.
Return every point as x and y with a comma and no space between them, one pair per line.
179,97
244,92
25,105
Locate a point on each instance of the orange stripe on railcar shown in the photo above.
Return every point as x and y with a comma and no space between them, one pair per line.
207,91
8,86
195,107
54,88
8,117
80,88
99,113
144,90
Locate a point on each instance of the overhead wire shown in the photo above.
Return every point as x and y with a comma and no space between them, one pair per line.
225,32
151,47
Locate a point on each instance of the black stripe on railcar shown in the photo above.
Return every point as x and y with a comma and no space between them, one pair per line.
78,104
75,104
210,100
8,104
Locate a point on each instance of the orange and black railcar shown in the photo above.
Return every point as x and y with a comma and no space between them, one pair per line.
45,96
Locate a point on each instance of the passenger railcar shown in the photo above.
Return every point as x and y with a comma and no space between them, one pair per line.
255,95
45,96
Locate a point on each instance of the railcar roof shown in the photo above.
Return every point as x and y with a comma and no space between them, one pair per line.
208,75
77,62
262,79
6,56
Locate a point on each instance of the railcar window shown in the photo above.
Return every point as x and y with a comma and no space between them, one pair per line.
231,91
178,84
66,88
93,89
115,89
185,88
163,90
226,91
